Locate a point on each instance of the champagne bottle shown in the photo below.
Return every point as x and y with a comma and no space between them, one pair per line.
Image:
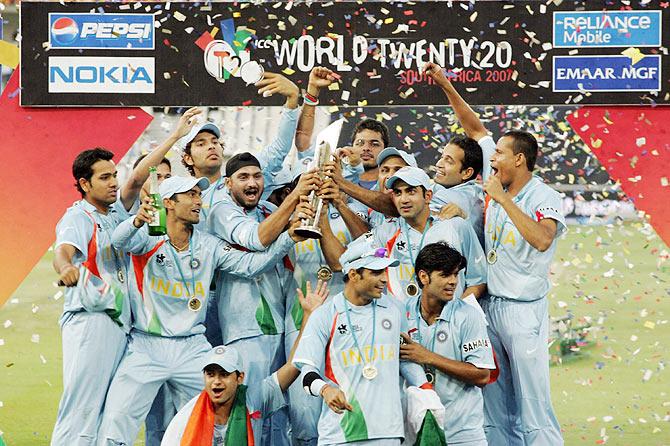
158,225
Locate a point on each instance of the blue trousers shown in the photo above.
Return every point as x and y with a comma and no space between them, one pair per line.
149,362
517,407
93,346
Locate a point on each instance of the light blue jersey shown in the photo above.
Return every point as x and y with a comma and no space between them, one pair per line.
404,243
468,196
459,333
164,282
308,259
90,232
368,215
252,306
270,158
329,347
520,271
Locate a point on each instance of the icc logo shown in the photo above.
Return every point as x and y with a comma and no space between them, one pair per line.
222,62
64,30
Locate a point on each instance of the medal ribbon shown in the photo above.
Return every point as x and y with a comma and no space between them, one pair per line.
353,332
405,229
177,263
418,330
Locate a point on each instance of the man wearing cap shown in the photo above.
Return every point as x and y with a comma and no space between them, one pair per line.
405,236
227,412
523,222
448,337
168,285
203,147
93,330
349,355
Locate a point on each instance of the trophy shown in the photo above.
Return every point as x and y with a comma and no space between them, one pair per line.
310,226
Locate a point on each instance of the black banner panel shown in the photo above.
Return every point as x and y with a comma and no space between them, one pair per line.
211,54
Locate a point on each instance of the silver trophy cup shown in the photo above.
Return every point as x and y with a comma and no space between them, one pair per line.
310,226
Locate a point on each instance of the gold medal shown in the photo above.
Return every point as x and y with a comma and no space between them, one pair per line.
412,289
194,304
492,256
369,371
324,273
120,275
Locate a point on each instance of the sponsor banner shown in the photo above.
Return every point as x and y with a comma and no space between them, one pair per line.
71,74
607,73
108,31
211,54
607,29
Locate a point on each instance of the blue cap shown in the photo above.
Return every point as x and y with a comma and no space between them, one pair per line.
179,185
225,357
362,254
410,175
280,179
392,151
205,126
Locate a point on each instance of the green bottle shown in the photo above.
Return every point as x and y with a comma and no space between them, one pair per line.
158,225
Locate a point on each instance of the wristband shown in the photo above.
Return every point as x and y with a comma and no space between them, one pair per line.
317,386
310,99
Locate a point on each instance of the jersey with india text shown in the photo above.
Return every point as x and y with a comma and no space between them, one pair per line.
521,272
328,346
404,243
169,289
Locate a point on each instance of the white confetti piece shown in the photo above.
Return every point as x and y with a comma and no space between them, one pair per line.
58,295
7,323
35,339
641,141
608,418
43,359
2,342
647,375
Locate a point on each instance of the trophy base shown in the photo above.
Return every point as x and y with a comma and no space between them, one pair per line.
308,232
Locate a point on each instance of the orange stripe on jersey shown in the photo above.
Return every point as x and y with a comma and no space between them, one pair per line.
487,199
329,368
389,248
91,263
140,262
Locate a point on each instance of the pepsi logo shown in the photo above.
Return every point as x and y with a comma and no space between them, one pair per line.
64,30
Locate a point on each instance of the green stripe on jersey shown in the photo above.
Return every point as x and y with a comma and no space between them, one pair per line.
353,423
155,325
264,318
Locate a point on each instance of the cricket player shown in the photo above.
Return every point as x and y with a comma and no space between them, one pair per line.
405,236
349,354
448,338
523,221
169,282
94,333
203,146
226,409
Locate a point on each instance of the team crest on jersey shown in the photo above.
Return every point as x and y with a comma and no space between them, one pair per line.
227,247
401,245
442,336
361,215
160,259
368,236
386,324
342,328
335,215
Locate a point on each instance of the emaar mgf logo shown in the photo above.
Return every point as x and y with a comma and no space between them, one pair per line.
607,29
109,31
101,74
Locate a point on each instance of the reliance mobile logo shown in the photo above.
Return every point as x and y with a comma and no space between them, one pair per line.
607,29
109,31
101,75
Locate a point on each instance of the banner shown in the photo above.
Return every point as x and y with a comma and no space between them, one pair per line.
497,53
